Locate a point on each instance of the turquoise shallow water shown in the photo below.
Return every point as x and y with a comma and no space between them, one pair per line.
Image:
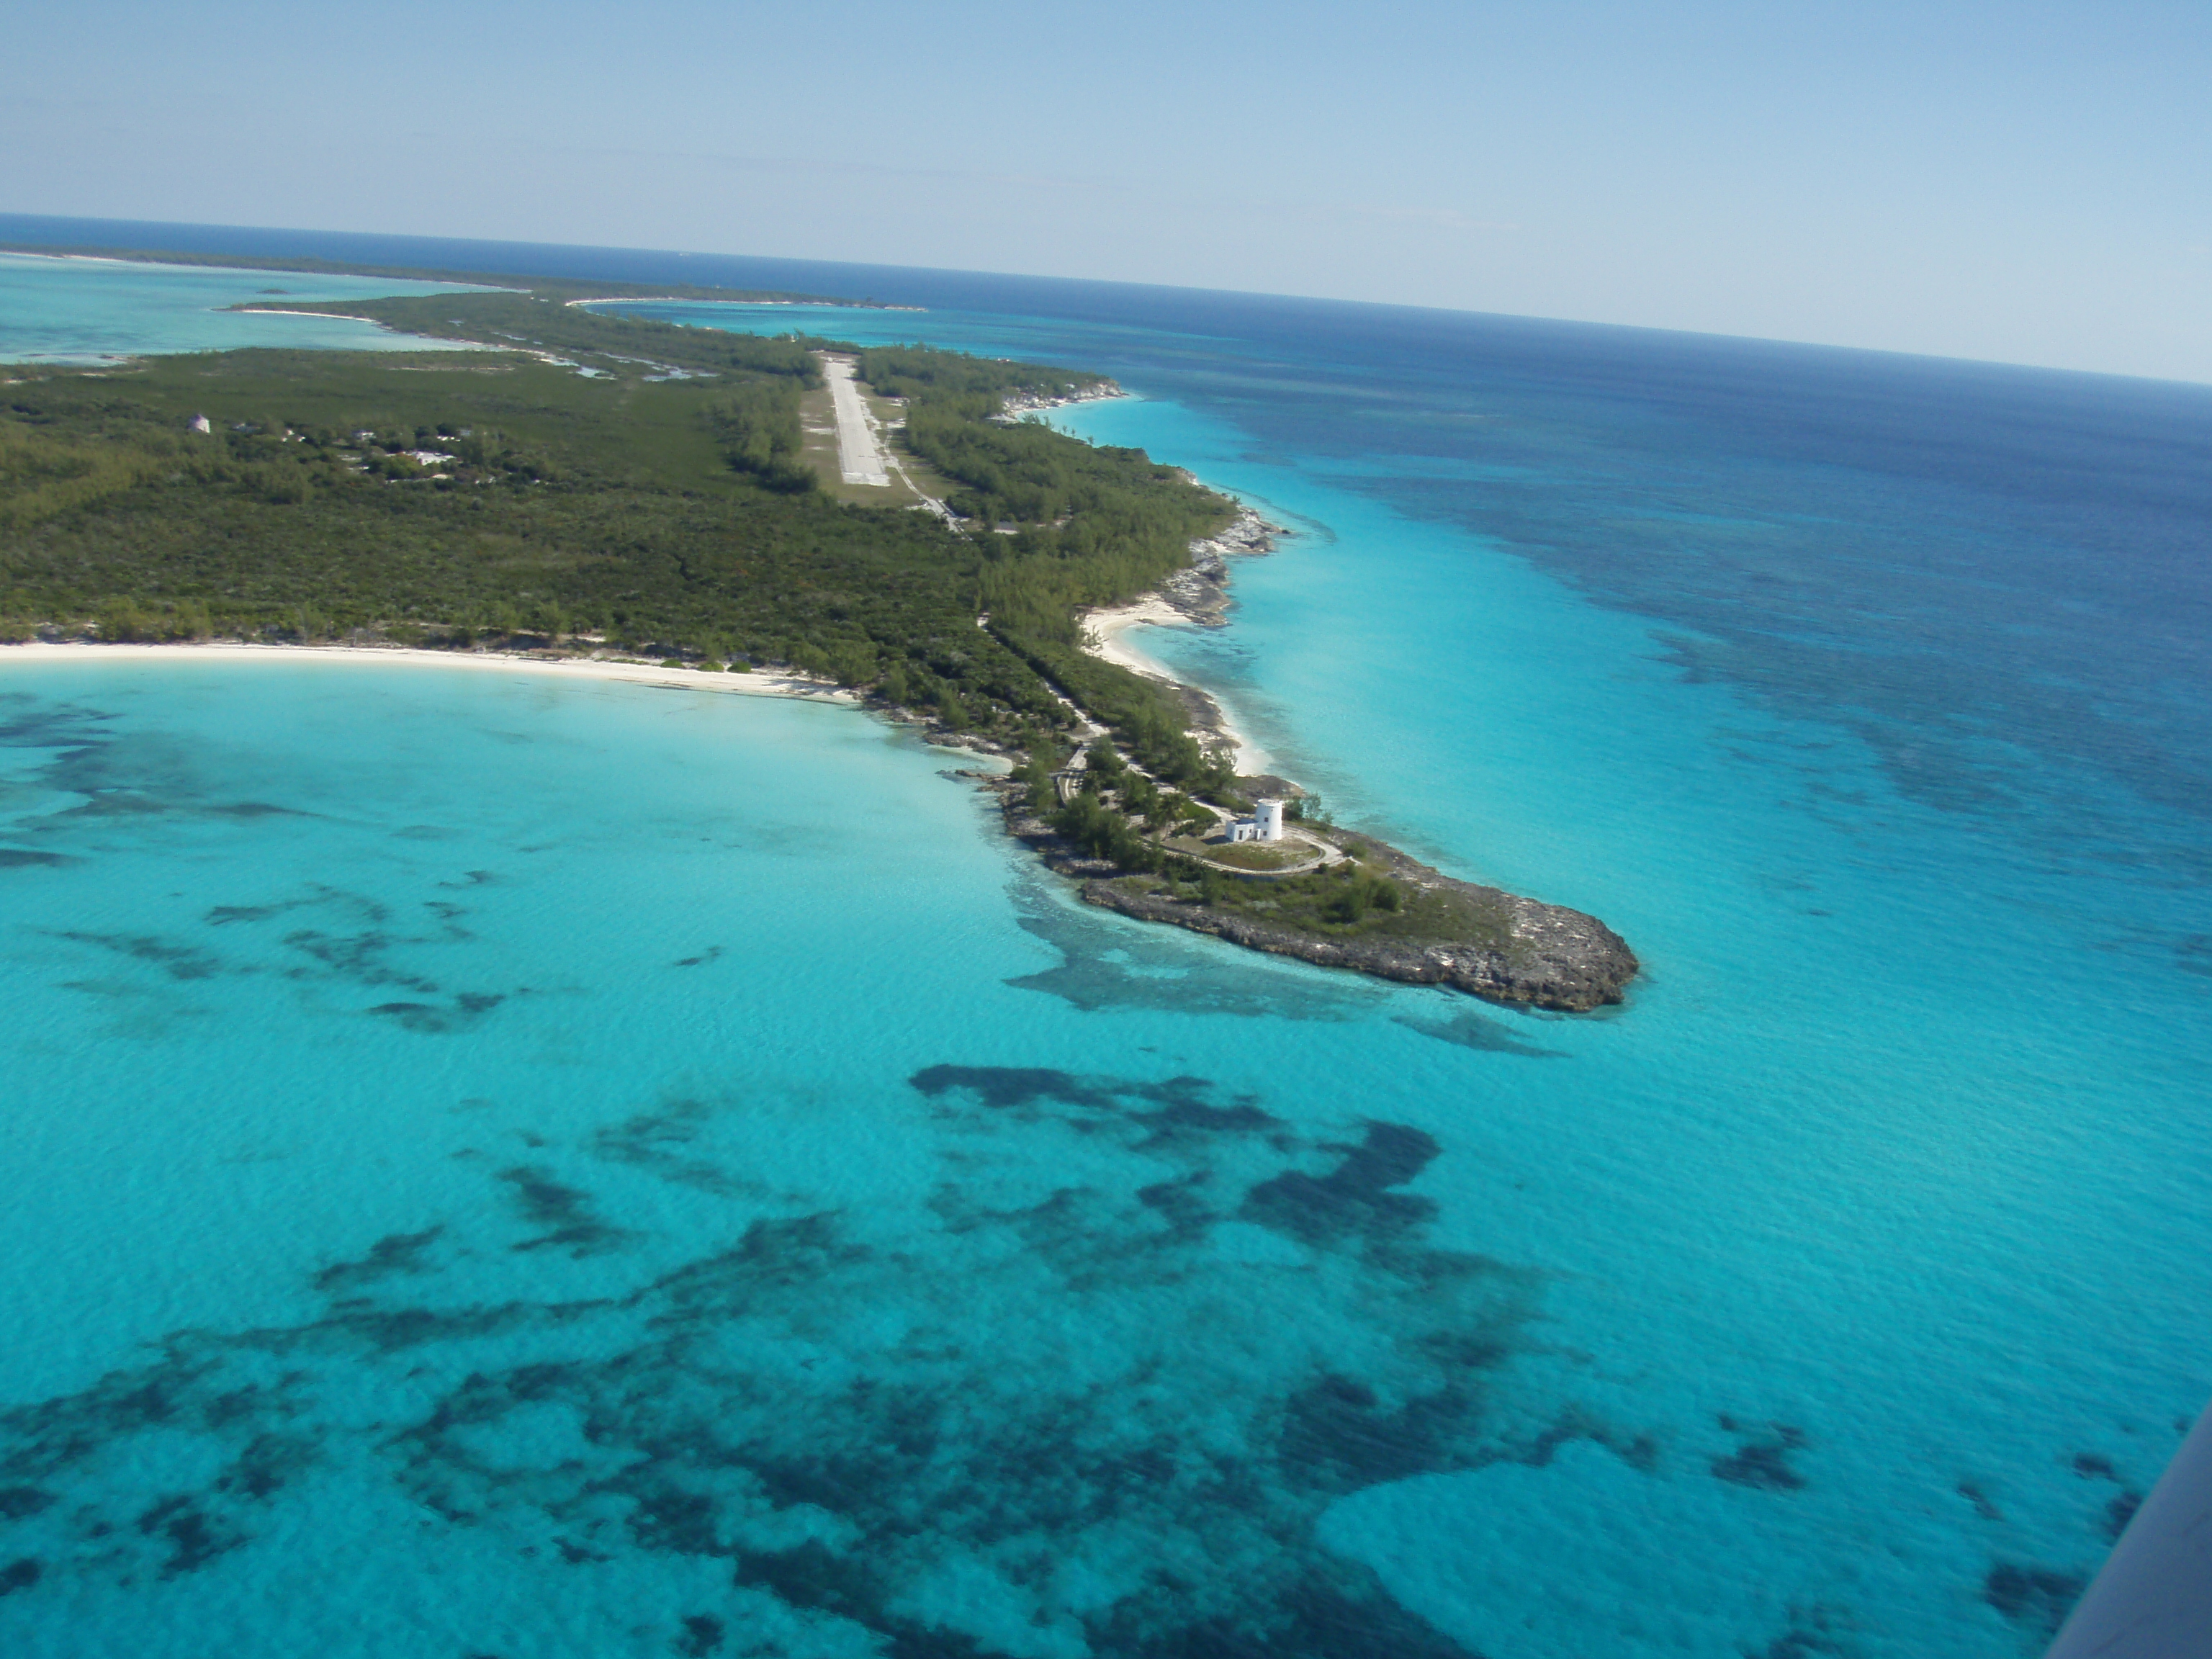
81,311
516,1166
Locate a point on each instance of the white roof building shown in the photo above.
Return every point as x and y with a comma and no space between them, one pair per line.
1265,822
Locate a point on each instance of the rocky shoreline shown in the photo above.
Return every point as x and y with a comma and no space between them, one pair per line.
1530,954
1559,959
1541,956
1201,589
1198,593
1018,404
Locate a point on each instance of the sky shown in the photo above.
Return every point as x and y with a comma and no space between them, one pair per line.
2022,182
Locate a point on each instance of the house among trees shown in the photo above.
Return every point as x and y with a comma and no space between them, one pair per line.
1068,783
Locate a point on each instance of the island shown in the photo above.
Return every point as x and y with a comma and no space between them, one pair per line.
564,483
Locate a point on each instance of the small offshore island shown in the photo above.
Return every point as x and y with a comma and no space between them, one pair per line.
579,486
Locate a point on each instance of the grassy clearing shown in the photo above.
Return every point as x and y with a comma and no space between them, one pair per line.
925,477
1346,902
817,426
1243,855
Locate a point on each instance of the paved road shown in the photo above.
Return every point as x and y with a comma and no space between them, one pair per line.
860,457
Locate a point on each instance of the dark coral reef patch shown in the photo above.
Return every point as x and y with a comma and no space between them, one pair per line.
2036,1598
1153,1366
1762,1461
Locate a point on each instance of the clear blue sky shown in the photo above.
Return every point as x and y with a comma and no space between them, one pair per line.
2031,183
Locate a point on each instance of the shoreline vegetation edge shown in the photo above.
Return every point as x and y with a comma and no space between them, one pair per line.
1105,817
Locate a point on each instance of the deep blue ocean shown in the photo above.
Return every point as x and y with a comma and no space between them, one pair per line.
510,1167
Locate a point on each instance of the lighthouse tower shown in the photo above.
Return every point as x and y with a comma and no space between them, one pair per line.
1267,820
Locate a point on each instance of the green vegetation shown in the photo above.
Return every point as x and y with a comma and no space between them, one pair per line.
1356,898
758,425
919,371
1251,856
573,479
645,489
1103,833
1351,900
608,342
1062,526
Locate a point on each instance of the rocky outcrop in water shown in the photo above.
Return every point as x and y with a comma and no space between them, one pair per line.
1555,958
1538,955
1201,589
1018,404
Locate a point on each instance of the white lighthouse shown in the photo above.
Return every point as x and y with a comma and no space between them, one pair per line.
1265,822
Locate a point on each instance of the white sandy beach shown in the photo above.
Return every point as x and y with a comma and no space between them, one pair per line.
415,342
1103,637
755,684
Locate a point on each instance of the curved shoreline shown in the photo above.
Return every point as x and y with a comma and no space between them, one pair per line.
1519,952
1551,958
1530,954
1103,637
1365,906
1546,957
1195,596
1020,403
